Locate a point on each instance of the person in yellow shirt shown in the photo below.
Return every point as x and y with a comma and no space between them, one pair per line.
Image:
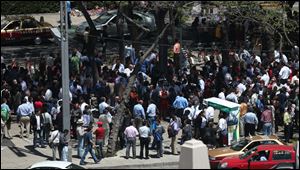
287,124
243,111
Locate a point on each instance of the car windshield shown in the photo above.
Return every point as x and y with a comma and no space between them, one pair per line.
104,18
3,23
74,166
246,154
239,145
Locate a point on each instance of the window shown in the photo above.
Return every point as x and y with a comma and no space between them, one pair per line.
252,145
282,155
269,142
29,24
262,156
13,25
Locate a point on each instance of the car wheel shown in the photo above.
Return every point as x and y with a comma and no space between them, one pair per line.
38,40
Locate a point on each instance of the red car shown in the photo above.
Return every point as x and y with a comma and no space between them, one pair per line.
260,157
25,28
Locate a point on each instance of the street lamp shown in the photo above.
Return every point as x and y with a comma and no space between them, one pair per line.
65,71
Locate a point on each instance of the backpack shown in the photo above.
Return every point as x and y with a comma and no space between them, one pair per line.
4,114
157,136
171,131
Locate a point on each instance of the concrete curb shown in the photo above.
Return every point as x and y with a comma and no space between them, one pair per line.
162,165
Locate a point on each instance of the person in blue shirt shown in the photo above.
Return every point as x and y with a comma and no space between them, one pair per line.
251,121
69,13
180,104
88,140
139,114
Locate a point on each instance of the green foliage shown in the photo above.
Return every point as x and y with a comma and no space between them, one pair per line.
28,7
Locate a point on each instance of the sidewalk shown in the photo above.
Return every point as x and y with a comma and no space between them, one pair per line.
19,154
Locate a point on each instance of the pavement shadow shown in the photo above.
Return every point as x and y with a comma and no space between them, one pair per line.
32,150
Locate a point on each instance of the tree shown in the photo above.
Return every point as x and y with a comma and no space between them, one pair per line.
92,40
269,17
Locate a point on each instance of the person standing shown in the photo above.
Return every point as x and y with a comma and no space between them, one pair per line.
173,130
37,124
24,112
5,116
69,10
287,121
54,141
64,142
251,121
130,134
266,119
176,53
80,138
145,134
47,123
151,114
105,118
222,130
100,133
180,104
88,139
139,114
158,138
186,132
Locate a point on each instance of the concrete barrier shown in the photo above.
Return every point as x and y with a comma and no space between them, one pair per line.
194,155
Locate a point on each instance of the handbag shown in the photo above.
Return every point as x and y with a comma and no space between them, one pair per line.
51,143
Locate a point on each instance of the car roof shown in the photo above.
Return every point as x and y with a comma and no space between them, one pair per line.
262,137
274,147
58,164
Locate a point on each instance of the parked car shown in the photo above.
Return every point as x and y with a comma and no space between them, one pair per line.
260,157
284,166
55,165
109,19
216,155
24,28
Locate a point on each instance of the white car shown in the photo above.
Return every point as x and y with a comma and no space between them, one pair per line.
55,165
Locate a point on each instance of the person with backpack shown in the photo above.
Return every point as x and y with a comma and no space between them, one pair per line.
173,130
158,138
5,117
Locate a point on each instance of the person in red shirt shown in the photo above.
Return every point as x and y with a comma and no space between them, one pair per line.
100,133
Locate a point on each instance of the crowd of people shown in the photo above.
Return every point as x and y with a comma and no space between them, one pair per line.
266,87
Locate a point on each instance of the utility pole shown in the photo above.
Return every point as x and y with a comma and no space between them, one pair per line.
65,71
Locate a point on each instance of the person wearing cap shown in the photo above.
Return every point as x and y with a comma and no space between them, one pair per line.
100,133
80,134
88,140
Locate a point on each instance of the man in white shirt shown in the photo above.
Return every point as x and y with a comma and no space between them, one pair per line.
209,114
118,66
221,95
284,74
102,105
144,139
151,114
222,129
265,77
130,134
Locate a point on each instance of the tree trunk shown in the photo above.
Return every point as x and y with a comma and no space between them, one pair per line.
120,29
134,31
163,50
173,30
117,119
225,44
92,40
